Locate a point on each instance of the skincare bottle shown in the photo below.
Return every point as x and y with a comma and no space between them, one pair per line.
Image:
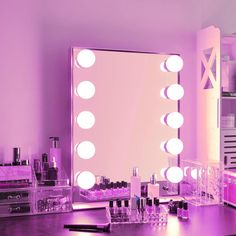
180,209
112,211
53,170
45,166
118,210
185,211
149,210
55,152
16,156
153,187
143,214
135,184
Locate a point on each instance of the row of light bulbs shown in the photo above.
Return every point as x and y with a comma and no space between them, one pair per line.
86,119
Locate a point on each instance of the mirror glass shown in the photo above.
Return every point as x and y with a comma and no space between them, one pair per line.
118,115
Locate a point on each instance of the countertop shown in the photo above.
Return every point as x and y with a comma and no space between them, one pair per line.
204,221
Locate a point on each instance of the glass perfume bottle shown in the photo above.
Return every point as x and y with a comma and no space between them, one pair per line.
153,187
135,184
179,209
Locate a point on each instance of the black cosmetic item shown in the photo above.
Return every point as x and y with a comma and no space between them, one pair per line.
89,228
37,169
173,206
16,156
53,171
126,203
149,202
45,165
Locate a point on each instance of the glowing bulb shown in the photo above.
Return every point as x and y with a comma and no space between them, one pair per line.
174,146
85,180
194,173
85,150
86,120
162,67
175,92
185,170
162,172
162,146
162,93
86,58
175,120
174,174
85,89
174,63
162,119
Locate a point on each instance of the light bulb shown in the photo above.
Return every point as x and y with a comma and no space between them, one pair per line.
85,89
174,146
162,93
194,173
85,120
175,92
185,170
174,63
162,172
85,150
162,67
175,120
174,174
162,146
86,58
162,119
85,179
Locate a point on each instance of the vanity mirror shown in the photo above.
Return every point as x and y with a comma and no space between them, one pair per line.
125,114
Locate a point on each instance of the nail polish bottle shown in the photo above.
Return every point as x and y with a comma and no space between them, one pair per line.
118,210
135,184
149,210
16,156
143,214
126,211
53,170
179,209
185,211
153,187
112,211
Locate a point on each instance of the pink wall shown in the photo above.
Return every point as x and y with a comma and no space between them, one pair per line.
34,68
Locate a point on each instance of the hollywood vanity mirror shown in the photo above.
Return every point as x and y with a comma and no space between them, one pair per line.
125,114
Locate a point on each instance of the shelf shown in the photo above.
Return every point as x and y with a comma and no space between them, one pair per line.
229,98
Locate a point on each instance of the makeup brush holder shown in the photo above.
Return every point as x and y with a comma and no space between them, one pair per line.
202,183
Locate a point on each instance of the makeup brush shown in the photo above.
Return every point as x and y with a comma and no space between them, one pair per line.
93,228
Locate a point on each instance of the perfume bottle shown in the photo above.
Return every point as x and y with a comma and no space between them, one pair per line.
135,184
53,170
153,187
185,211
45,166
179,209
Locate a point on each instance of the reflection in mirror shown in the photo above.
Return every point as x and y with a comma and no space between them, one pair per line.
136,109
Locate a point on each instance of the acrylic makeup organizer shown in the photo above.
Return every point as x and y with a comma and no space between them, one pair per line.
202,183
33,198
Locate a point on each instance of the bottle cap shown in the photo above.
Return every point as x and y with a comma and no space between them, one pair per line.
16,154
45,157
180,204
135,171
55,141
126,203
156,202
25,162
147,198
153,179
150,202
111,204
118,203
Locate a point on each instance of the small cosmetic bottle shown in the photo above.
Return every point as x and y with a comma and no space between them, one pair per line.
135,184
37,169
133,211
118,210
143,214
126,211
16,156
185,211
53,170
153,187
112,211
55,152
45,166
149,210
180,209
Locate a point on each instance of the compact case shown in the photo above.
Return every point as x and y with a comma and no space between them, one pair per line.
27,196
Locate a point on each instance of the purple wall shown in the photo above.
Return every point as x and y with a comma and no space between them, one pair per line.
35,39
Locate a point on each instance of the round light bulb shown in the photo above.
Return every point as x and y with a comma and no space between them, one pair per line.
86,179
85,150
174,63
85,89
162,172
162,119
175,92
162,93
86,58
174,146
86,120
194,173
174,174
175,120
162,146
185,170
162,67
